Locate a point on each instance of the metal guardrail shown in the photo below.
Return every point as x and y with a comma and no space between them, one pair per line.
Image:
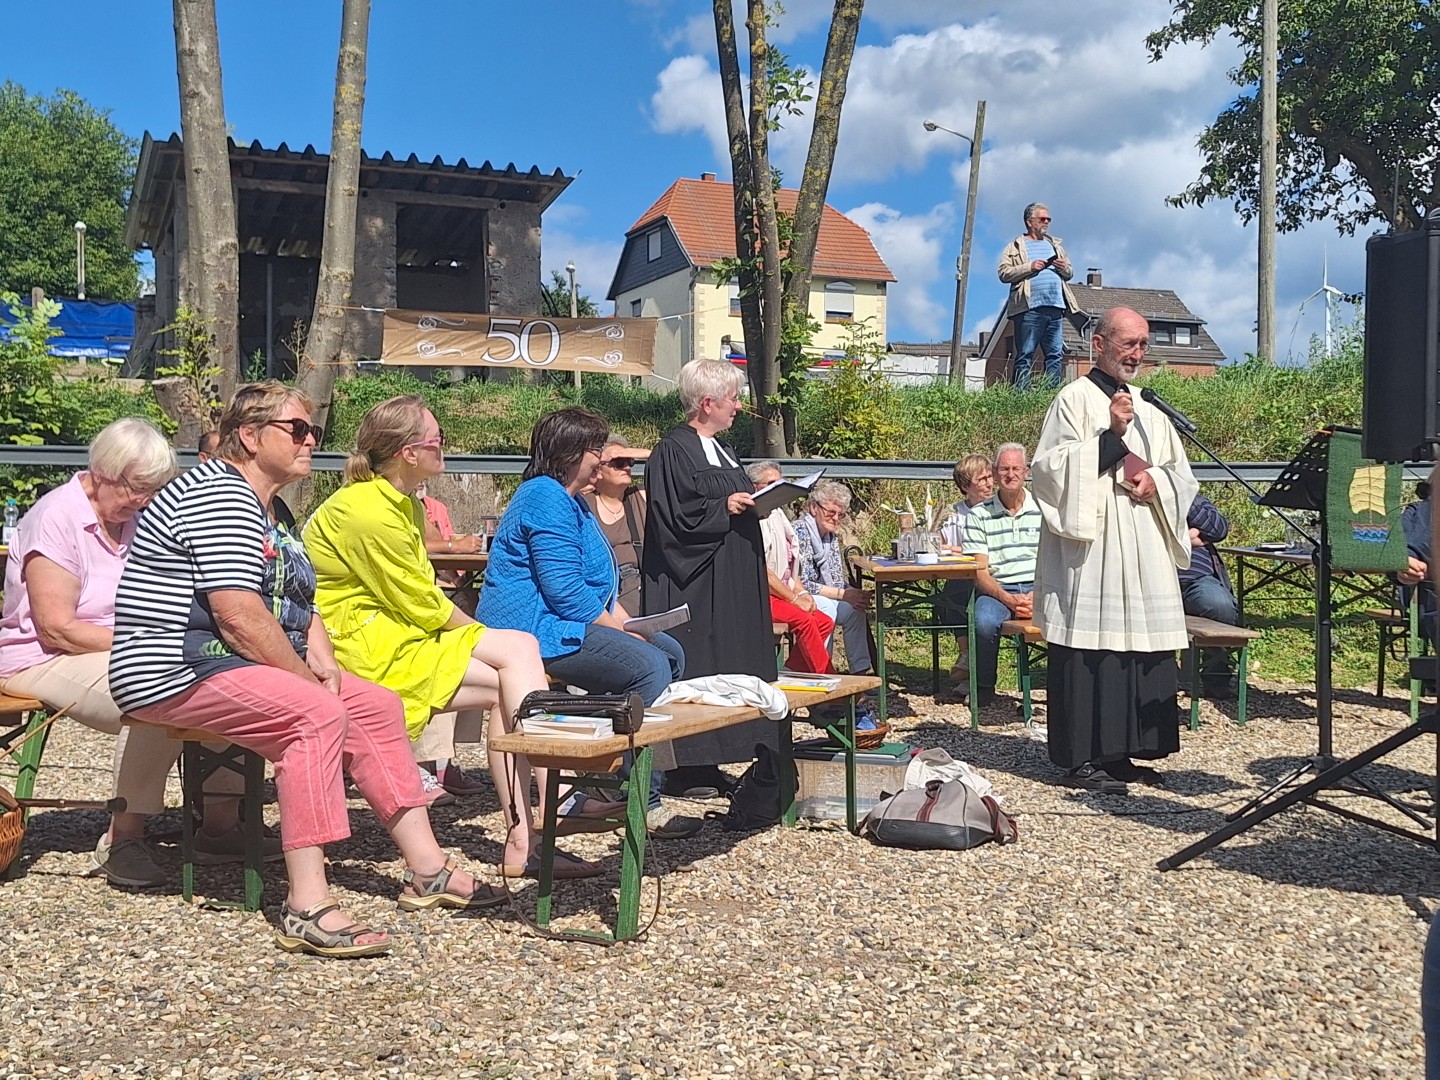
1257,472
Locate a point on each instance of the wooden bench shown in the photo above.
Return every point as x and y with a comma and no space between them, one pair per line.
28,723
603,757
1026,635
1209,634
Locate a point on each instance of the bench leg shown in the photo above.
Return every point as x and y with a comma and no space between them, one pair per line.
254,772
972,663
1022,662
544,887
1380,659
28,757
787,772
1242,671
191,782
1192,668
632,851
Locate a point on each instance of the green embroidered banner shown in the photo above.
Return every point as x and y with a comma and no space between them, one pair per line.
1362,509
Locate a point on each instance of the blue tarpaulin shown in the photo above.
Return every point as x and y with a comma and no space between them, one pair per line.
95,329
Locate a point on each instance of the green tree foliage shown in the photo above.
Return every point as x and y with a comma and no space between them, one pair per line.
555,299
1357,85
852,413
63,161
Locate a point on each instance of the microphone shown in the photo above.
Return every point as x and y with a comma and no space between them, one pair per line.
1182,423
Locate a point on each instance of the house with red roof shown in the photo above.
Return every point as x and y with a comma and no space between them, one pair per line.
666,271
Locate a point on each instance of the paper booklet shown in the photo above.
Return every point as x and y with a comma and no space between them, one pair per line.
650,625
782,492
795,680
657,717
559,726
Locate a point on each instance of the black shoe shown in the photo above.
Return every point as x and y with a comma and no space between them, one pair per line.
985,695
1092,777
1127,772
1218,687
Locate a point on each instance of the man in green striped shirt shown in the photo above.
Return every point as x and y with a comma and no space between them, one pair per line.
1003,533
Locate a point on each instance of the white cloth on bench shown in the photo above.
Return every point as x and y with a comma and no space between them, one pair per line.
729,690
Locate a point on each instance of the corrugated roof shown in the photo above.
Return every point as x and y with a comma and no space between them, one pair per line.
702,213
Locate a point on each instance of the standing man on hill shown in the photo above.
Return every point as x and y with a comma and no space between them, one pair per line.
1036,268
1113,484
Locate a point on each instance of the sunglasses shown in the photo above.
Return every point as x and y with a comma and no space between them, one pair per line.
437,441
625,464
299,429
1043,219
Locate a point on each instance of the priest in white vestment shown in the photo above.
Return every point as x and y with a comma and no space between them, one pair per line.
1106,593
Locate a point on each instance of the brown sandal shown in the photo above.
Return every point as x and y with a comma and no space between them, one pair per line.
431,893
300,931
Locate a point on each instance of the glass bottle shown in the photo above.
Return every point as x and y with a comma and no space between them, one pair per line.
908,544
12,519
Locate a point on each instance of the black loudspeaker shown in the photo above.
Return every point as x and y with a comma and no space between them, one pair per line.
1402,343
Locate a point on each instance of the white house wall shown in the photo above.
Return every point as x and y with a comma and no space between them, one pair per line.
674,336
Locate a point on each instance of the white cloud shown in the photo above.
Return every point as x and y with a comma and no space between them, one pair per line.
1077,117
911,246
563,241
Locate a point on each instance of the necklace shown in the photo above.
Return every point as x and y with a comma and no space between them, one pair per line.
614,508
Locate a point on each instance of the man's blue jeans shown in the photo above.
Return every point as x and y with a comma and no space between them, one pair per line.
1208,598
989,614
1042,327
610,661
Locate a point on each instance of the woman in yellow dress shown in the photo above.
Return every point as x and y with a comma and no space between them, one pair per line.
393,625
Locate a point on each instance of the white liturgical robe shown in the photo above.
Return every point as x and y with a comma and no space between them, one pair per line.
1106,572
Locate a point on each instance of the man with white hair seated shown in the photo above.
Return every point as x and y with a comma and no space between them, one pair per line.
822,570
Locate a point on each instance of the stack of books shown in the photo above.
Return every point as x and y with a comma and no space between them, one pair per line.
795,680
561,726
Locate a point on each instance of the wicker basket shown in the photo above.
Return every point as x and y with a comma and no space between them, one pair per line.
873,739
12,829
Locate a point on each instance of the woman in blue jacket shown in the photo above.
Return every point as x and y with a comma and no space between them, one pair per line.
552,573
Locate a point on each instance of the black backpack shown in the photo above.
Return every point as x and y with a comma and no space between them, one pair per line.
756,802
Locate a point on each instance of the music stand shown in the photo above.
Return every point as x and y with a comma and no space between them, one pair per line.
1301,486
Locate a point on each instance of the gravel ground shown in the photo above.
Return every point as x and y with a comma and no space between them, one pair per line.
1292,951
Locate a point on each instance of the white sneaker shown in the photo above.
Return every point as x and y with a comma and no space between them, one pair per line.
435,792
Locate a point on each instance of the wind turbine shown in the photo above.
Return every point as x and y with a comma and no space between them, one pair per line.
1332,297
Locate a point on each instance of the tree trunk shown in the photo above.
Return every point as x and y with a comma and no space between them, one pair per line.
769,435
815,182
317,364
177,400
214,248
746,241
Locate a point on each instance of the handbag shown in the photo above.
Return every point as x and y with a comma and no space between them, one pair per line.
755,803
945,815
625,711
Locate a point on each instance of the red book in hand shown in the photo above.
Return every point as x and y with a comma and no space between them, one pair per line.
1130,469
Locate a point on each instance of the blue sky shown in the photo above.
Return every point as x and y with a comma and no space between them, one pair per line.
623,95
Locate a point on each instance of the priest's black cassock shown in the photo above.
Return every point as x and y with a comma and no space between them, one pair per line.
696,552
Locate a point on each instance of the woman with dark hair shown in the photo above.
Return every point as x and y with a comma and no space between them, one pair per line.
393,625
553,573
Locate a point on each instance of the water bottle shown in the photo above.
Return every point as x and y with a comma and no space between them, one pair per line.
12,519
909,541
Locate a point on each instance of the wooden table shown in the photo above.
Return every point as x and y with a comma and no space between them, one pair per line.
470,567
906,587
1290,575
602,757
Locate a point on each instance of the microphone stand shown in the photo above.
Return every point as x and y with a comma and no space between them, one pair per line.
1329,772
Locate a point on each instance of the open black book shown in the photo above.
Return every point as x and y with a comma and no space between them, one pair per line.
782,492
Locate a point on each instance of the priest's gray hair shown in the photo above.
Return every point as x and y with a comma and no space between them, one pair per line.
756,469
1005,448
830,491
702,378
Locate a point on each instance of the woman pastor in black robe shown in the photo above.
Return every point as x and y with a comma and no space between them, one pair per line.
703,548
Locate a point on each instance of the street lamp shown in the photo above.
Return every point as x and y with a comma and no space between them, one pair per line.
574,305
962,265
79,260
